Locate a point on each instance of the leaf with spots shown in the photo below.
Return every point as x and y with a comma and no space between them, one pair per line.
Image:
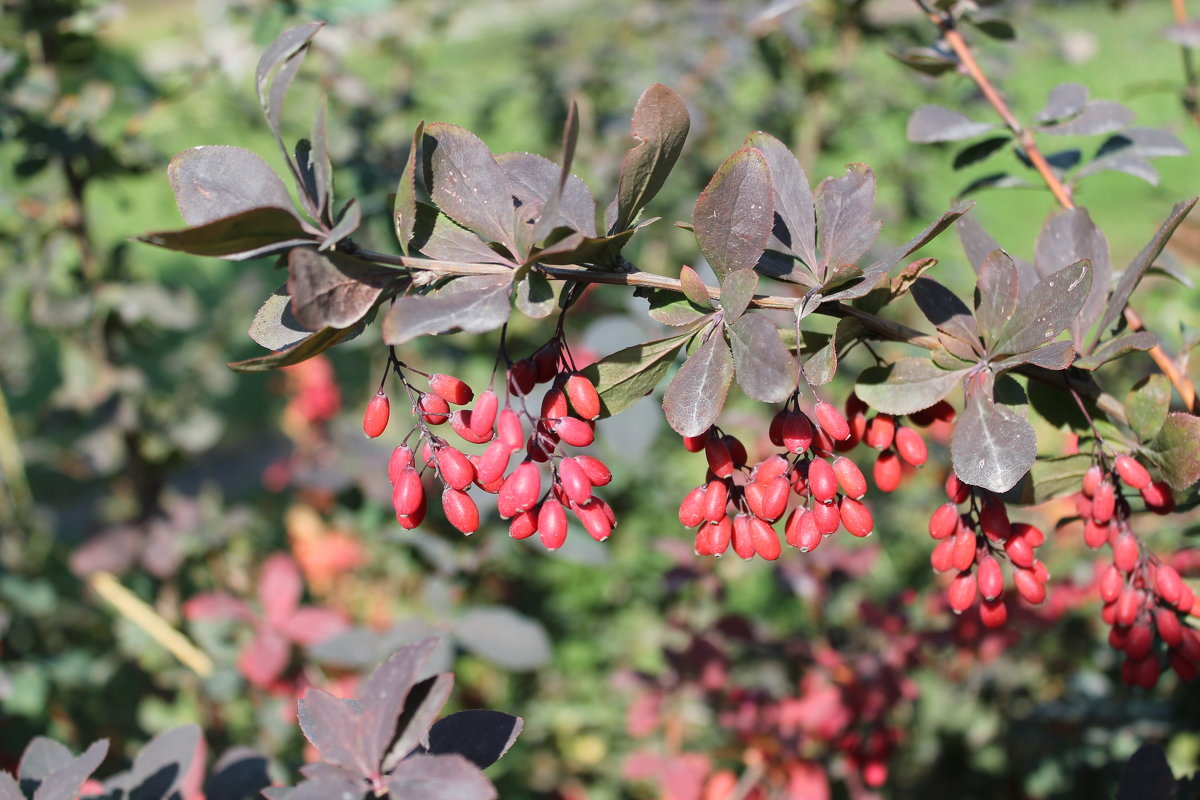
735,213
1047,311
993,446
467,183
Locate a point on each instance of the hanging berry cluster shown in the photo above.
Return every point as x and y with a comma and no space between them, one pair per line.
898,445
567,417
974,543
830,487
1144,597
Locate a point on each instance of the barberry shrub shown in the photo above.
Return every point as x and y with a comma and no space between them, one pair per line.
481,234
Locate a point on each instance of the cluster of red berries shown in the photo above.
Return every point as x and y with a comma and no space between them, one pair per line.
897,444
568,413
974,543
1143,597
830,487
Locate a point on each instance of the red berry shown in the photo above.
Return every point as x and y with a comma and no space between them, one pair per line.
743,537
888,471
1111,584
766,540
768,499
717,536
720,461
1104,502
1132,473
401,457
993,613
597,518
523,525
993,519
694,444
454,467
944,521
1146,672
375,418
522,377
822,482
493,463
1028,586
849,477
775,430
520,490
801,530
575,432
1096,536
1091,480
1126,553
450,389
552,524
716,498
911,446
771,467
1185,669
956,490
483,414
1168,626
831,421
1019,551
461,511
434,410
508,429
827,517
554,404
583,396
737,451
856,517
545,360
574,481
942,557
408,493
797,432
460,423
1168,583
691,510
1159,498
880,431
961,593
963,555
991,579
1129,605
595,469
415,518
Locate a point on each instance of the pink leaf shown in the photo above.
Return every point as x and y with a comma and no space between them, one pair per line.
312,624
265,658
216,606
279,588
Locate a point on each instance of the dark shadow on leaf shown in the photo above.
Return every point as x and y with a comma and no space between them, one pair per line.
481,736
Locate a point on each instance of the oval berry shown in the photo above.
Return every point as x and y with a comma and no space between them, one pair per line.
944,521
965,549
993,613
911,447
831,421
1168,626
822,482
849,477
375,418
575,432
887,471
493,463
1168,584
461,511
434,410
401,457
962,591
522,377
881,430
1096,536
1091,480
520,490
582,394
460,423
716,498
545,361
991,579
828,518
523,525
775,430
596,470
766,540
1159,498
720,460
717,536
691,510
856,517
694,444
942,557
454,468
552,524
771,467
993,520
1104,502
574,481
801,530
1129,605
450,389
797,432
1111,584
1028,586
408,493
1126,553
1132,473
956,491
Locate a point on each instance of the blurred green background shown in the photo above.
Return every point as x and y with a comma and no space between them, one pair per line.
126,445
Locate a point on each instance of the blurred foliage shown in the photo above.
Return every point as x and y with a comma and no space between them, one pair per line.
127,447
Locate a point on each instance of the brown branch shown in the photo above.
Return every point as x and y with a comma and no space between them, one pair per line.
884,328
1061,192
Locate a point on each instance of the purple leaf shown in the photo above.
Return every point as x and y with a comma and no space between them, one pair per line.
42,758
348,222
1055,356
421,708
660,125
626,376
449,777
333,290
694,288
331,725
1046,312
9,789
697,393
978,244
1065,100
793,197
1176,450
265,657
763,366
939,124
844,226
437,237
1115,348
481,736
274,59
213,182
239,774
1097,116
504,637
907,385
406,193
1067,237
734,214
382,699
997,293
737,289
303,350
248,233
279,587
947,313
993,446
534,180
467,184
322,789
162,765
474,304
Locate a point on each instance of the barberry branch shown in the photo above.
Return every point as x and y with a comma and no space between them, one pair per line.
954,38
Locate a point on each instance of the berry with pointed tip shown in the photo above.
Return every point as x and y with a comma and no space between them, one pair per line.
881,430
483,414
1126,553
717,536
597,518
574,481
849,477
596,470
454,468
450,389
575,432
944,521
801,530
887,471
1132,472
1028,586
797,432
720,461
523,525
583,396
375,418
520,490
856,418
962,591
856,517
434,410
911,447
460,423
828,517
408,493
461,511
554,404
771,497
691,510
831,421
552,524
991,579
401,457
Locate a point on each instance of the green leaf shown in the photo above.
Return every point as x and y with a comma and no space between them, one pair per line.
821,366
628,375
247,234
763,366
406,192
908,385
697,393
734,214
1147,405
474,304
736,292
1054,477
671,309
993,446
660,124
536,296
1176,450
